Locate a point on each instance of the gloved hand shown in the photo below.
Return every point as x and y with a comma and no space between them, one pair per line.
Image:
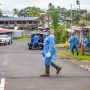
48,55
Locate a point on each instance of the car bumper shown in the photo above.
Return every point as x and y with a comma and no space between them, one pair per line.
3,42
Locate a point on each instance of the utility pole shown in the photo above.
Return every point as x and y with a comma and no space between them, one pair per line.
64,18
0,4
81,34
78,3
48,21
86,16
71,19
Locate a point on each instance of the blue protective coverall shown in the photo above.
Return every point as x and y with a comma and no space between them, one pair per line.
35,40
49,46
86,41
74,41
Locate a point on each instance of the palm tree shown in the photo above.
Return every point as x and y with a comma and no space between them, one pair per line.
30,11
15,11
50,5
34,11
1,14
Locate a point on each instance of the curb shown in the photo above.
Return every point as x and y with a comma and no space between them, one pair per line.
84,64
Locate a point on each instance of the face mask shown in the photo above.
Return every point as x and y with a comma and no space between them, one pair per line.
47,34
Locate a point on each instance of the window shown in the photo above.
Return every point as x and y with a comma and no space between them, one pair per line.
19,22
24,22
30,22
1,22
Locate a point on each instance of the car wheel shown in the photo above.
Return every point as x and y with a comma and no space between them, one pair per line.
9,42
29,46
4,43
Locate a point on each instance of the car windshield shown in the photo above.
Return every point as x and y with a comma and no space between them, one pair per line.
3,36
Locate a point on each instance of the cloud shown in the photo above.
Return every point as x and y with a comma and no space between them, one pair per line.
11,4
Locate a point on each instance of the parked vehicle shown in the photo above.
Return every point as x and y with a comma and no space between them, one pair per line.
5,39
41,39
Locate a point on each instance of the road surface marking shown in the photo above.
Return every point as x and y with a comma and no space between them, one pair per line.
82,65
86,67
2,84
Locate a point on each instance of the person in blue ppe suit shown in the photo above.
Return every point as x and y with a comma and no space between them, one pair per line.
35,41
49,54
74,42
86,43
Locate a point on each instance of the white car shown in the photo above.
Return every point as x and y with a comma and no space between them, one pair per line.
5,39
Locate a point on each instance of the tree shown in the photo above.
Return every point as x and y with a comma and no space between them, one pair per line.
33,11
22,12
54,15
88,16
76,19
1,14
30,11
15,11
50,5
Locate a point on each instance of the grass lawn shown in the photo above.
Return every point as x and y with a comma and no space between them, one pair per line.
21,39
63,52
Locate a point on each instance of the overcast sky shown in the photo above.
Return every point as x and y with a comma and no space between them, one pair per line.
9,5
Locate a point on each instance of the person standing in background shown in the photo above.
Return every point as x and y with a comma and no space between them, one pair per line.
74,42
35,41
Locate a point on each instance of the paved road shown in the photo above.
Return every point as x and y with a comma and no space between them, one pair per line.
20,69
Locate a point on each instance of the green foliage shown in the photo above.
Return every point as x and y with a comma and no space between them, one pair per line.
61,34
82,24
83,11
58,33
68,25
64,52
64,36
30,11
57,36
22,13
1,14
88,16
15,11
54,14
55,20
76,19
21,39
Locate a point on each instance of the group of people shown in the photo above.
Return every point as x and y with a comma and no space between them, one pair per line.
49,51
86,43
74,43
